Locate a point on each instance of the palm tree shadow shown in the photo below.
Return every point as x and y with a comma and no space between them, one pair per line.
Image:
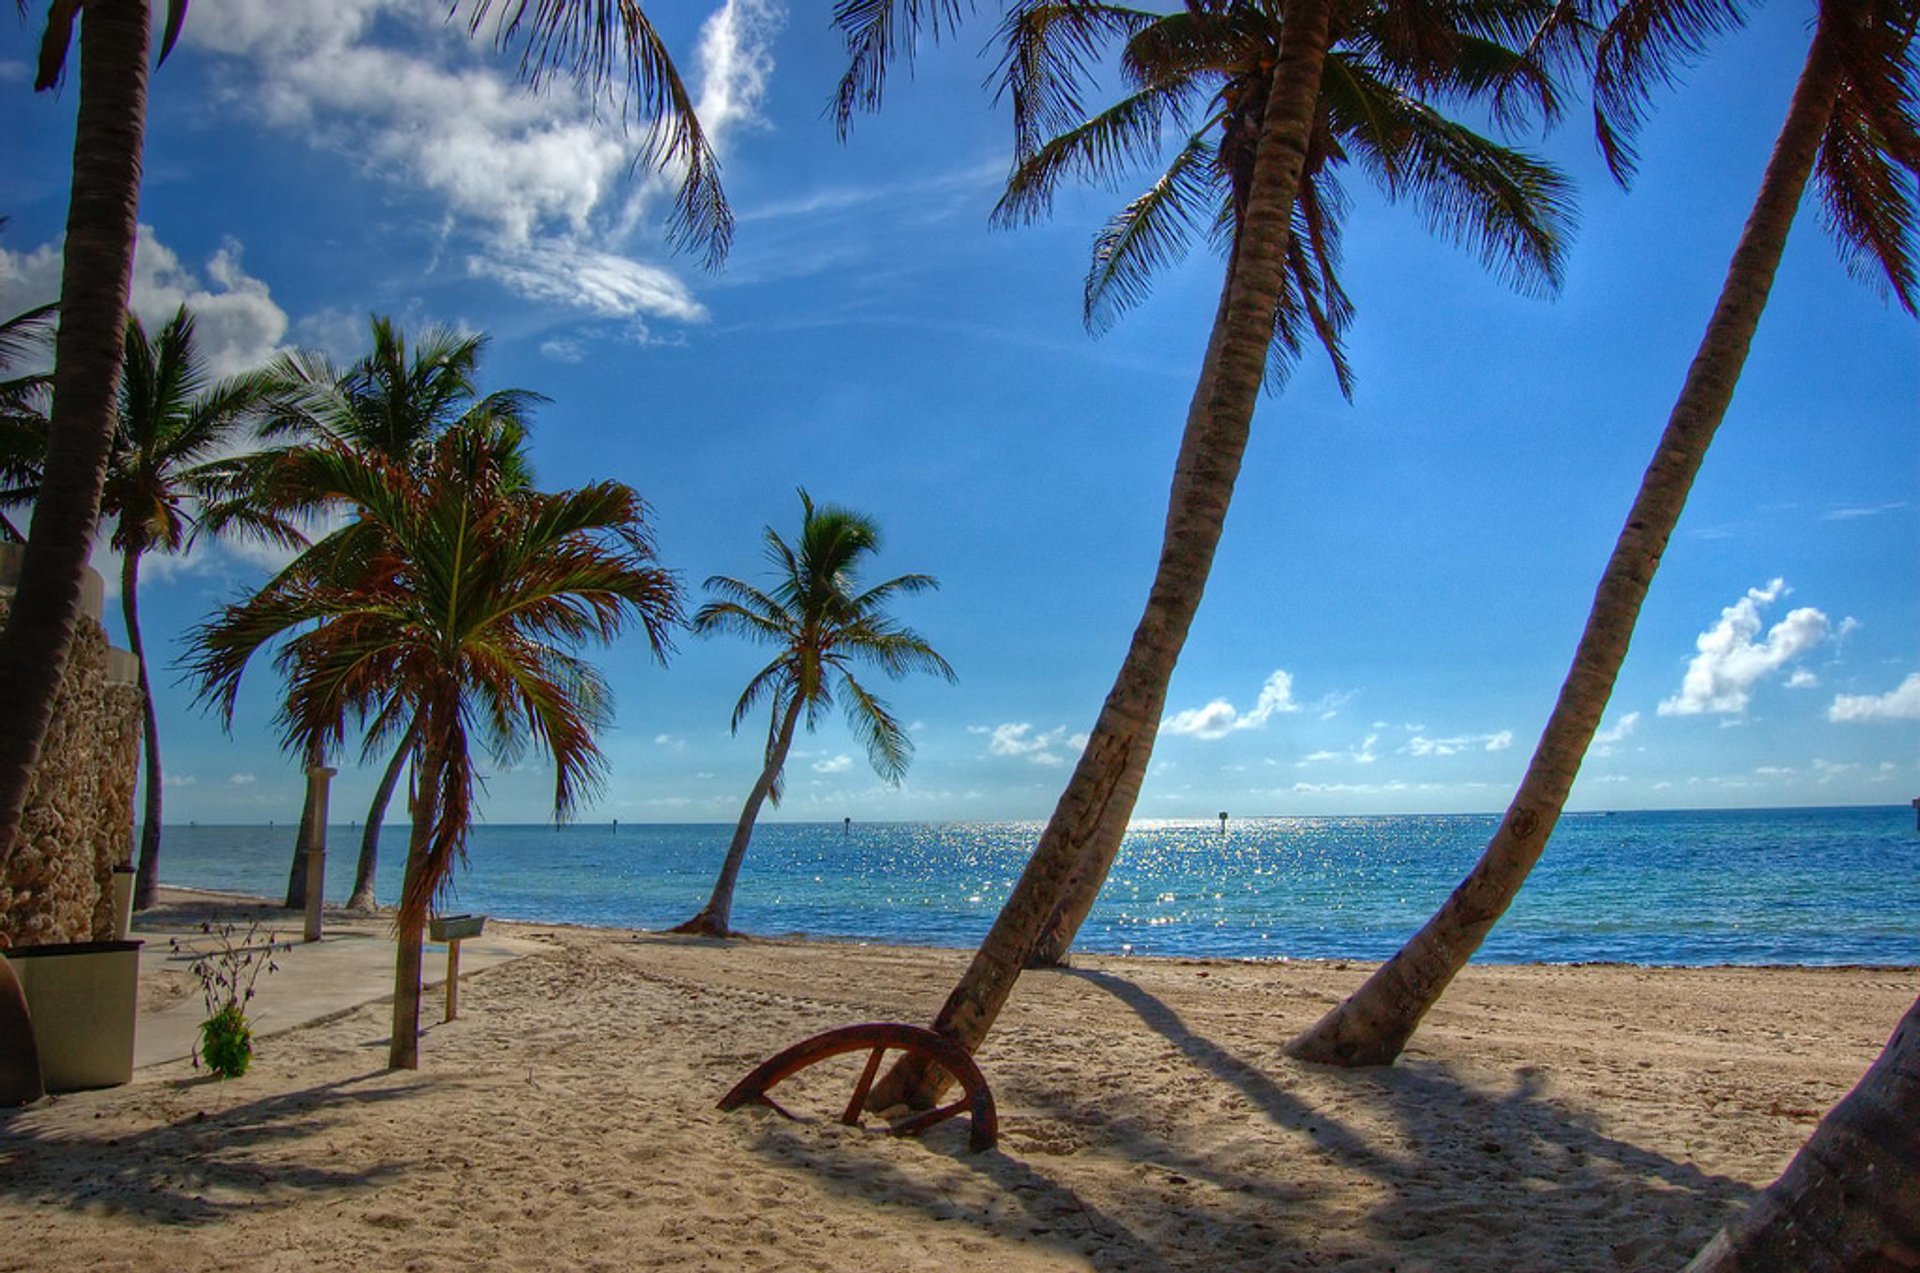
195,1170
1461,1157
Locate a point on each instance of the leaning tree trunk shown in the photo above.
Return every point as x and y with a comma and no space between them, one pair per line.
410,923
716,917
297,873
95,271
363,871
1373,1025
146,878
1850,1199
1088,822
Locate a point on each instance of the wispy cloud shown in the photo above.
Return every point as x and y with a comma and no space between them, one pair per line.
1730,662
1607,740
1899,703
833,765
1420,745
1854,513
1364,754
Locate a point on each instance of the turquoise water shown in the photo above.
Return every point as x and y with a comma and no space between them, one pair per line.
1794,886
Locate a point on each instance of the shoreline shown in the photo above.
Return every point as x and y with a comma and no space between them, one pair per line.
1546,1117
1337,962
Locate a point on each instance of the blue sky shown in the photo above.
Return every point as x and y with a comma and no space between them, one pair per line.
1402,579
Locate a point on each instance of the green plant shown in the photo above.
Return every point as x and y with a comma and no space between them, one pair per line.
228,973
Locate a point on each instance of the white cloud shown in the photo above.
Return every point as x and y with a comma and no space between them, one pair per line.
1730,662
237,324
1419,745
1802,679
1855,513
1899,703
1364,754
242,780
833,765
179,780
1220,718
536,179
1020,739
1607,739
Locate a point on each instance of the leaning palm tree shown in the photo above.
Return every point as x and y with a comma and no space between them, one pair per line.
394,401
174,453
1271,100
452,603
612,50
821,623
1853,124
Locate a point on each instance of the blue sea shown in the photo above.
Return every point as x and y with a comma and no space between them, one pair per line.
1770,886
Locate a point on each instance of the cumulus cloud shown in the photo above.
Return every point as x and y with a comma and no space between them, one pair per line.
1020,739
833,765
1900,703
1420,745
237,324
1730,662
1220,718
539,180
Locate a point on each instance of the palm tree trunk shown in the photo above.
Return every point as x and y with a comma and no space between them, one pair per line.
97,266
410,924
1372,1026
1084,833
1850,1199
716,917
297,873
146,878
363,871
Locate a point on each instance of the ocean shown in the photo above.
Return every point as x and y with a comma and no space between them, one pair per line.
1755,886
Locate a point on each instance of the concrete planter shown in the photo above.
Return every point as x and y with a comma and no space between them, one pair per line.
81,997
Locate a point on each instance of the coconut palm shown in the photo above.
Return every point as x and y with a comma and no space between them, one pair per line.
452,603
600,45
821,623
95,272
1846,1201
1271,100
23,413
1854,123
174,453
393,401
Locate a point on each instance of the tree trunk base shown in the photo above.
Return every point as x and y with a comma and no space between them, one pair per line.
703,925
364,903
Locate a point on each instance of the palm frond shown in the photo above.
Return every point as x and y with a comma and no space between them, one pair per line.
1052,50
1099,150
1150,233
1870,156
1646,44
877,33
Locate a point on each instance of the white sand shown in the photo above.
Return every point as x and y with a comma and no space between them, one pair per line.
1547,1118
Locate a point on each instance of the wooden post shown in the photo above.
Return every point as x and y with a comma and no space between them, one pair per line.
316,847
453,978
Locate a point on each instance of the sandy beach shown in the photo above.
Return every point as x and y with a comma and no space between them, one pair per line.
1547,1118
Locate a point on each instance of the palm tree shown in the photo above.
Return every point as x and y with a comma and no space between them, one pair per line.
596,43
23,413
393,401
95,273
451,604
1854,119
820,624
1273,98
173,454
1846,1201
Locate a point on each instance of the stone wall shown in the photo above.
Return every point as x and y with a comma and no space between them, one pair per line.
79,818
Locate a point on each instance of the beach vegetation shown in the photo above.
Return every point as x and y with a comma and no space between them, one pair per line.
23,411
1852,129
228,970
822,624
454,601
1262,106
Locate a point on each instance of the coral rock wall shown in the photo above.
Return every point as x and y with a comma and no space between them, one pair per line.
79,818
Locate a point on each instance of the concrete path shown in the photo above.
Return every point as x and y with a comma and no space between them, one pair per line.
351,965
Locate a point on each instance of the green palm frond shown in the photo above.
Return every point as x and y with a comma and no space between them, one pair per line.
1099,150
877,33
1644,45
603,44
1150,233
1870,155
1053,51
